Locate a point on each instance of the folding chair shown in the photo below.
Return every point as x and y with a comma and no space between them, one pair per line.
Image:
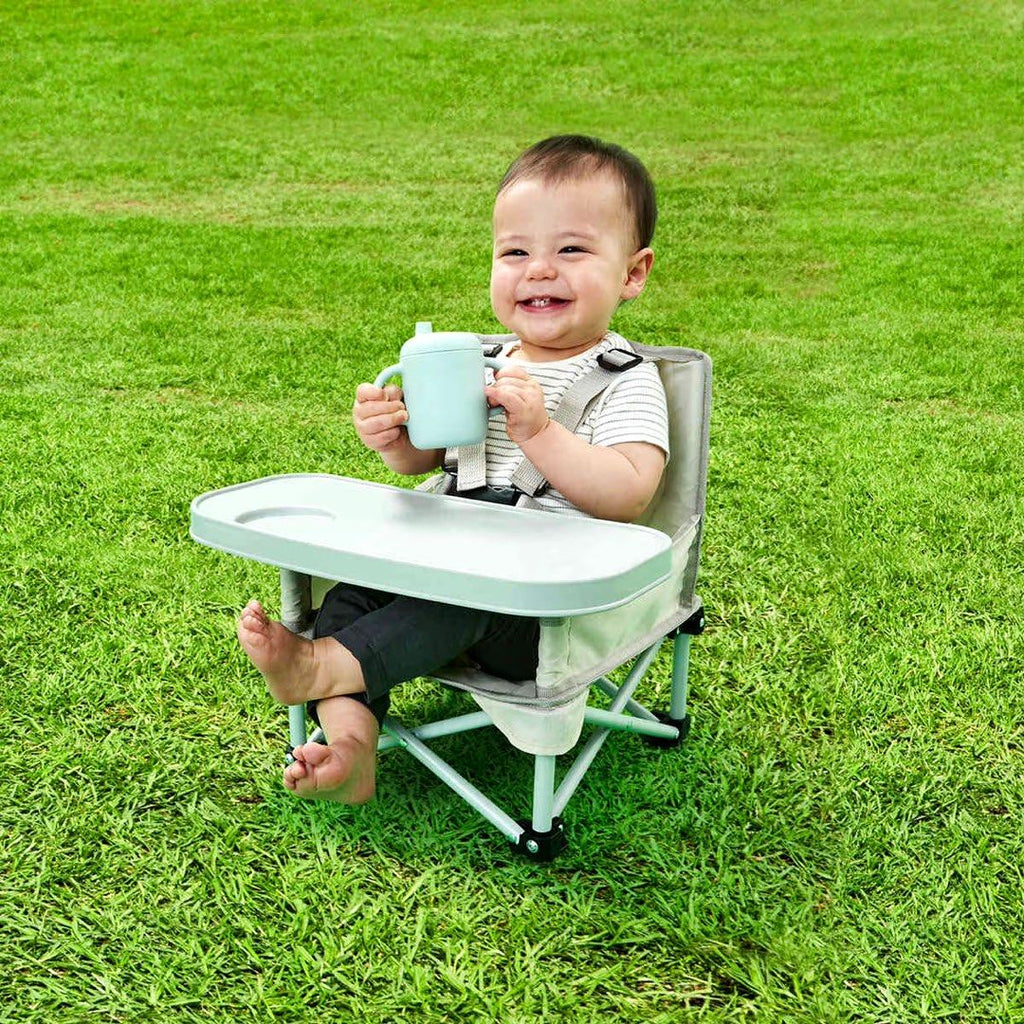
577,651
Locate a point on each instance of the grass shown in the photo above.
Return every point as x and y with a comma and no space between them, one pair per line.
216,219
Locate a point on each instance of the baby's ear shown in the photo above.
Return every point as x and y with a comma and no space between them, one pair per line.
637,271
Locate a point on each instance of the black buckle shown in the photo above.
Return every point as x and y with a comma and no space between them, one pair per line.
618,359
682,724
542,846
493,349
693,626
491,495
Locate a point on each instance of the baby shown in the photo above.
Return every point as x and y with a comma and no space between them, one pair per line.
573,222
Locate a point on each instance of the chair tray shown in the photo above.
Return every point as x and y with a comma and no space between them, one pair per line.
440,547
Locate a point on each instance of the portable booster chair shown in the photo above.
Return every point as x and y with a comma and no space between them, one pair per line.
577,649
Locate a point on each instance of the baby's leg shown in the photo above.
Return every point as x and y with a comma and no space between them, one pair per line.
365,641
297,670
345,769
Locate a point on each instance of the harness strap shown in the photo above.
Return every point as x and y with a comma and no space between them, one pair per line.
468,464
471,467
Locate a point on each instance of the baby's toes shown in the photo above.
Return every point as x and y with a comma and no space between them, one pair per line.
314,753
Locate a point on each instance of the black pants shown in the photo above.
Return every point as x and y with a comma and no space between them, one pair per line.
396,638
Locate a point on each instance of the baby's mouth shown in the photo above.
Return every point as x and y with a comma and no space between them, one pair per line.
542,302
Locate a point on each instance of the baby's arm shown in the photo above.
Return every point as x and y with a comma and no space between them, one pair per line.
609,483
379,415
615,482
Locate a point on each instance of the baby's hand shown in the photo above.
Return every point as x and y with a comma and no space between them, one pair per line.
379,415
523,400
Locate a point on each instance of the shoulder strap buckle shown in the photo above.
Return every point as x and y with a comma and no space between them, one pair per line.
618,359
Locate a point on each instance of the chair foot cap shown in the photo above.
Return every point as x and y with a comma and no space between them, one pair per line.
682,724
541,846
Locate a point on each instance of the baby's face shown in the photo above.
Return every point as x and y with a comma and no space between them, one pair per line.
564,258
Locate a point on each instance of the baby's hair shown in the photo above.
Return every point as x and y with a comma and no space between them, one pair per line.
571,157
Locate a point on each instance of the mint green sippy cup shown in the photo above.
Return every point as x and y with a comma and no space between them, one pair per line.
443,387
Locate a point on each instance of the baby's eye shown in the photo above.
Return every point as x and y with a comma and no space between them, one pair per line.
512,252
572,249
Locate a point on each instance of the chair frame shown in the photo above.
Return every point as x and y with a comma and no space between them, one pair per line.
541,836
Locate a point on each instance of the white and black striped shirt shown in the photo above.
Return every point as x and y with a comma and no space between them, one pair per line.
631,408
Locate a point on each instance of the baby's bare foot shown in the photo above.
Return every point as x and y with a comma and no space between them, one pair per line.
343,772
281,656
296,669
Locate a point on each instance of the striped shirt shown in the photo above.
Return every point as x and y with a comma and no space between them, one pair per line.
631,408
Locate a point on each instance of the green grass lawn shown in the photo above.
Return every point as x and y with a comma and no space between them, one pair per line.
217,218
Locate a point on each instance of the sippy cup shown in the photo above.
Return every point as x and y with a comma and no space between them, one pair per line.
443,387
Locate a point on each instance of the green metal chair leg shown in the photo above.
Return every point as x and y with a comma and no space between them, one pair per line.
543,792
680,676
296,730
543,836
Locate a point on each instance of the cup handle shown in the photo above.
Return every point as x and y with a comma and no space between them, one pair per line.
385,375
495,364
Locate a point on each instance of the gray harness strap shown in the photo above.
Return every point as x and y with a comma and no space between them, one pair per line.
471,469
468,463
471,463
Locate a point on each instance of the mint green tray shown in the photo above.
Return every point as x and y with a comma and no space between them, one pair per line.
518,561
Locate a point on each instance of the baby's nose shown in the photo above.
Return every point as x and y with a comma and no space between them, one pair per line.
540,267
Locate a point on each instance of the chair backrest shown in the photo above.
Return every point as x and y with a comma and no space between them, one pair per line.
678,507
686,376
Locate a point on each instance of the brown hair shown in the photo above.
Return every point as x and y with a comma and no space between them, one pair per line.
570,157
